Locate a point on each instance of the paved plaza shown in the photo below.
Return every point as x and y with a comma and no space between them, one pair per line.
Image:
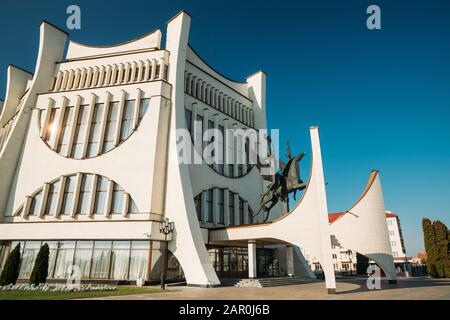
347,289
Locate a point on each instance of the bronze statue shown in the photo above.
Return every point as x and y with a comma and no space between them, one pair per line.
282,183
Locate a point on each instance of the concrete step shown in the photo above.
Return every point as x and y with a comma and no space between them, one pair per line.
273,282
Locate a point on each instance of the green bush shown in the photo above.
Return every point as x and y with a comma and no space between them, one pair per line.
40,269
10,271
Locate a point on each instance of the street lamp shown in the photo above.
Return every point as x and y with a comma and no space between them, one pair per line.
166,227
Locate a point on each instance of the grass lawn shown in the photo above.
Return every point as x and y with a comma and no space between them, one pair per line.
42,295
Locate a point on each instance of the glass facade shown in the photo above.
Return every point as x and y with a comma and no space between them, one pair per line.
233,262
96,260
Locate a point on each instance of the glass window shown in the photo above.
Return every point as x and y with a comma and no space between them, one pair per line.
83,255
145,103
111,124
52,198
198,206
188,120
29,254
120,259
53,246
241,211
117,199
100,195
36,203
231,207
64,259
127,119
85,193
51,125
132,208
221,149
69,191
198,133
209,205
80,132
101,260
94,133
65,130
220,204
139,263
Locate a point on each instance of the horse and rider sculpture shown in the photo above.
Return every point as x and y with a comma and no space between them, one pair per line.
282,184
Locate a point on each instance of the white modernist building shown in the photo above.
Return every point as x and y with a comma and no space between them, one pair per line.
90,163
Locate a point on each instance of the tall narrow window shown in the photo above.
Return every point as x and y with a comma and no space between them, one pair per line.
117,199
94,133
145,103
69,191
220,204
221,149
241,211
239,155
52,198
211,139
80,132
132,208
85,192
198,134
111,123
209,209
198,206
65,130
188,120
36,203
127,119
100,195
231,207
51,128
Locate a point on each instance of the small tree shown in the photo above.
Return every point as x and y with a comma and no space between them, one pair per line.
10,271
440,230
430,246
40,269
362,263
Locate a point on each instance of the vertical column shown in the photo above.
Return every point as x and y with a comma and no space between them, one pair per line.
101,75
95,77
62,186
290,261
27,206
92,195
108,74
153,69
108,198
133,71
76,195
227,218
237,221
252,263
147,70
215,204
44,199
48,112
101,137
137,107
119,118
88,124
73,125
161,68
225,147
236,154
58,81
140,70
125,204
121,71
59,122
202,211
246,212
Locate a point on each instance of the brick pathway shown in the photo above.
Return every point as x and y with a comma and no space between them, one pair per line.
353,289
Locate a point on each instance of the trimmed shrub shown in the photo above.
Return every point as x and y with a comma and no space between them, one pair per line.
40,269
10,271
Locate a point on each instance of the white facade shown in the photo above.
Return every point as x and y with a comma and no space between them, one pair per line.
90,160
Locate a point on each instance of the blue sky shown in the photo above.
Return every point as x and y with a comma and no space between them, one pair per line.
381,98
